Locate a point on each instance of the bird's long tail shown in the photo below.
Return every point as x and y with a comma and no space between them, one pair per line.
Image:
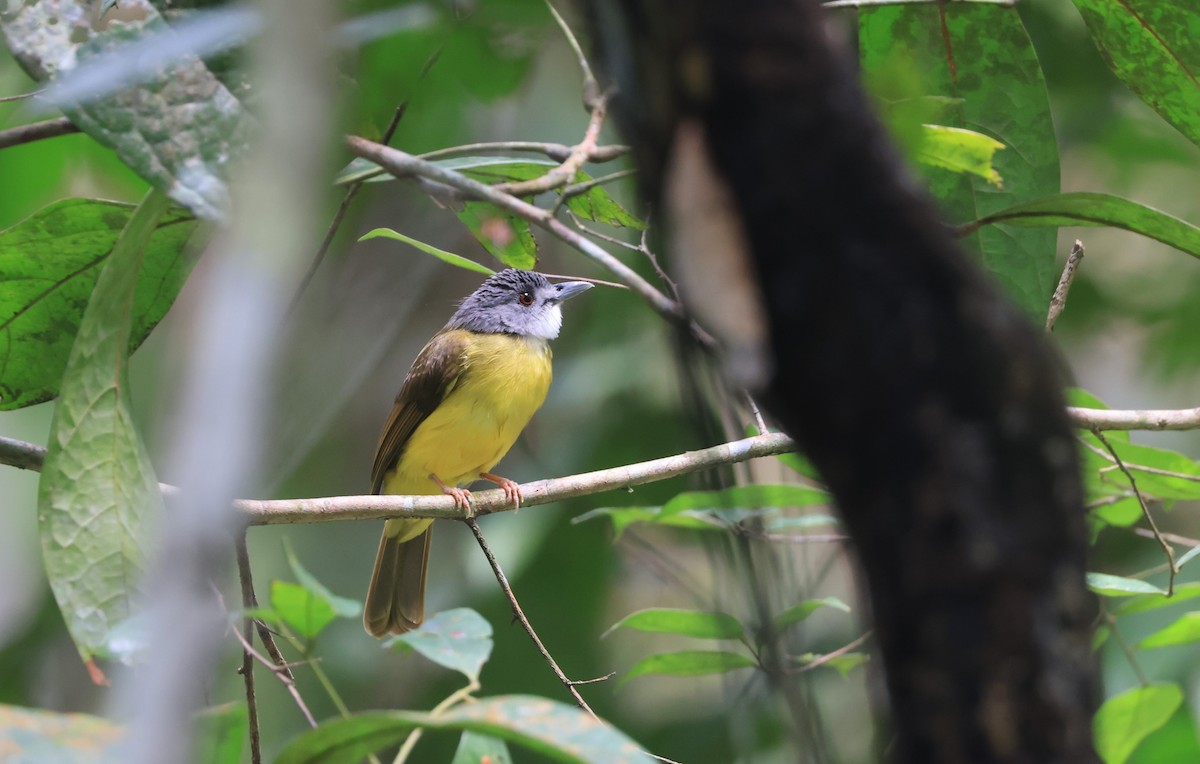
396,598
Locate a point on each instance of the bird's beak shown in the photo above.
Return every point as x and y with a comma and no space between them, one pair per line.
568,289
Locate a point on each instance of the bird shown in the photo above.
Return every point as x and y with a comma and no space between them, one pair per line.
462,405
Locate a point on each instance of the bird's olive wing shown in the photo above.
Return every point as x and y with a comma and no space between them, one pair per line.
429,381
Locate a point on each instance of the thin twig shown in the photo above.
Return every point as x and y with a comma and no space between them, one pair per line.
575,189
248,679
591,90
1059,300
250,601
1167,549
343,207
36,131
520,616
1129,653
827,657
759,422
566,171
556,151
20,96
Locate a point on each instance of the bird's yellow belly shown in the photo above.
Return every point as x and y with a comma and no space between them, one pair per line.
505,381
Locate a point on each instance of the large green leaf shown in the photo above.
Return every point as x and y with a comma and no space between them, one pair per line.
303,610
1125,720
981,57
49,264
1182,593
31,736
1154,47
1089,209
555,730
1184,631
685,623
459,639
179,131
98,491
221,733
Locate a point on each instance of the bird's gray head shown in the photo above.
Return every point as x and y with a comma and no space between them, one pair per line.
516,302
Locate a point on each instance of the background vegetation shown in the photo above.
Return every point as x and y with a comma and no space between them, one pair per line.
1115,114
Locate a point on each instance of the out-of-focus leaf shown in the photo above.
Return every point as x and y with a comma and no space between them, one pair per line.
843,664
178,130
776,524
98,493
49,264
961,151
474,748
221,732
981,57
1116,586
1082,208
748,497
623,517
1100,636
1184,631
129,640
459,639
31,736
344,607
798,613
301,609
1125,720
441,254
686,623
689,663
1152,46
1182,593
555,730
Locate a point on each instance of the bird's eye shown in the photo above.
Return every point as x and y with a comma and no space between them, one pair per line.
525,298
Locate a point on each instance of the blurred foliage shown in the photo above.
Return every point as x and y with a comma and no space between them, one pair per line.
1065,87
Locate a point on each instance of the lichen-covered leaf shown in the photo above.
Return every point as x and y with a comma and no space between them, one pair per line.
49,264
32,736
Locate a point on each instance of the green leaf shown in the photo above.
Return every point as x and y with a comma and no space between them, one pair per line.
979,60
1116,586
1090,209
1159,473
1152,47
459,639
598,205
31,736
344,607
686,623
748,497
689,663
221,732
98,493
961,151
555,730
49,264
624,517
798,613
178,131
441,254
1182,593
301,609
474,748
1184,631
1125,720
506,236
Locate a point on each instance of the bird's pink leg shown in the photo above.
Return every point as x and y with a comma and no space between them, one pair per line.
462,497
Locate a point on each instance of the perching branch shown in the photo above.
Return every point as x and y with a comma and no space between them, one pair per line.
1135,419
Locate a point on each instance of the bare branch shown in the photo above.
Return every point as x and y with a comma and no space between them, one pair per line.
565,172
1059,300
1167,549
51,128
404,165
1134,419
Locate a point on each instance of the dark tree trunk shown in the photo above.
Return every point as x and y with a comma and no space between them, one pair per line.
931,407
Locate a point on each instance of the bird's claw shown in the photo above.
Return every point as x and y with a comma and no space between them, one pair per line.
512,489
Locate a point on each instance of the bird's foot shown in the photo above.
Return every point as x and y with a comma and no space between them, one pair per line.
462,497
512,491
